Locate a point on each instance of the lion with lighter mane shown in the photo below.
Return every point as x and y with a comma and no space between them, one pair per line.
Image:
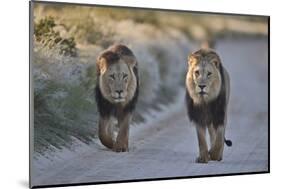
116,95
207,97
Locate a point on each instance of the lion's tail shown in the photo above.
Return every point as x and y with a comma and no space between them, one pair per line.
105,138
228,142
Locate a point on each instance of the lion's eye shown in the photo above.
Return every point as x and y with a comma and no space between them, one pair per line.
112,76
196,73
209,74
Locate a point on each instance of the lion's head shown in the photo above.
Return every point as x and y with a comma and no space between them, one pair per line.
117,80
203,78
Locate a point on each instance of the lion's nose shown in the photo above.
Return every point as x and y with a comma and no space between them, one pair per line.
119,91
201,86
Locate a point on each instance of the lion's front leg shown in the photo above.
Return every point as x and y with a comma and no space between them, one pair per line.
122,140
216,150
105,134
203,147
212,134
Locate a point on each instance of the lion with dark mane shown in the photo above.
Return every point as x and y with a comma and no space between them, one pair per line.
207,97
116,95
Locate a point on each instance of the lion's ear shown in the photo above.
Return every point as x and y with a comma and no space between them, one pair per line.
216,63
190,59
101,65
130,60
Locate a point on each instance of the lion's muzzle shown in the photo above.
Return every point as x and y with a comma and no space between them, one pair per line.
119,96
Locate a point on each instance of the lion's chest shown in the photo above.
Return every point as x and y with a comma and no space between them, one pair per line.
206,113
202,115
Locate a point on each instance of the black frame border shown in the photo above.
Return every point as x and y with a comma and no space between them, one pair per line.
139,8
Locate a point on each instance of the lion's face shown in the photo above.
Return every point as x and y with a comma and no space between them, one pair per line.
203,77
117,81
117,77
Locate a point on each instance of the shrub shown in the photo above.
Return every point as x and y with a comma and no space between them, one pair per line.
64,105
46,35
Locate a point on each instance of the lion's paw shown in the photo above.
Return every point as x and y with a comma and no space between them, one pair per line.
202,159
120,148
215,156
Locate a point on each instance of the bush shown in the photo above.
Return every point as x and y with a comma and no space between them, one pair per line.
46,35
64,105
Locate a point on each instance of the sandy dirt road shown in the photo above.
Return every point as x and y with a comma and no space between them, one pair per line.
168,147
